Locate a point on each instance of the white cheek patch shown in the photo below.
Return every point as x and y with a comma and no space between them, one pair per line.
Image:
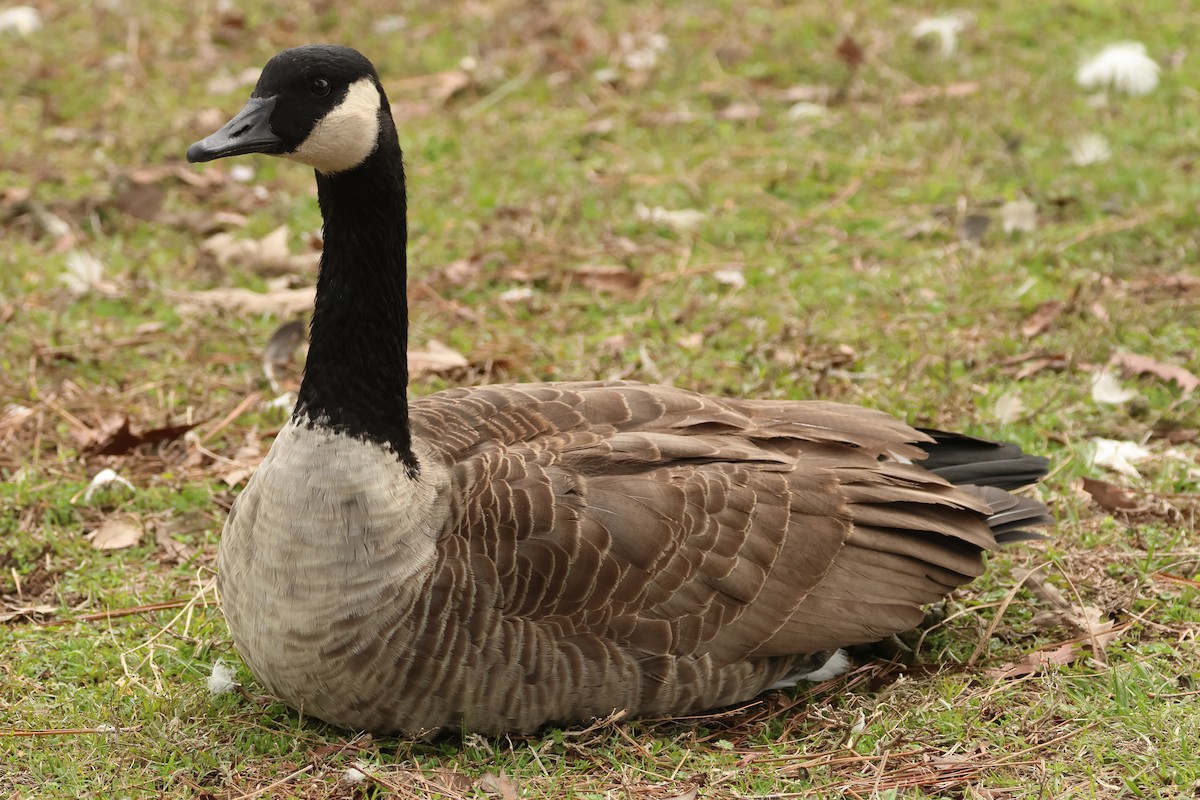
344,137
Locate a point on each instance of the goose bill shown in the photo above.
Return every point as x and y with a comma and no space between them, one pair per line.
248,132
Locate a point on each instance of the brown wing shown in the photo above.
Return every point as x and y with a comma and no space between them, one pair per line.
677,524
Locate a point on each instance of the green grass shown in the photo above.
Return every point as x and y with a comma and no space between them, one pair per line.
858,289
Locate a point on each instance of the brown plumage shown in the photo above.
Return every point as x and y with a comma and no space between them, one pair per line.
501,557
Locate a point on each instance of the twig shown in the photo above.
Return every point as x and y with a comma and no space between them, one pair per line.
1105,228
126,612
66,731
1004,604
247,401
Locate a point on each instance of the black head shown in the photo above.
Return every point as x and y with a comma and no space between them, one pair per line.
321,105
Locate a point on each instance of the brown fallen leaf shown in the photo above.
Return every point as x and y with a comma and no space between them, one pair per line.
925,94
117,438
280,349
500,784
462,271
434,359
282,302
973,227
739,112
141,200
171,551
439,86
116,533
614,278
1137,365
26,611
1041,319
268,255
851,52
1109,496
1038,660
1089,621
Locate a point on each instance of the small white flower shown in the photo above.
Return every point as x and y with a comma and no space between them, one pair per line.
946,28
221,681
1091,148
1123,66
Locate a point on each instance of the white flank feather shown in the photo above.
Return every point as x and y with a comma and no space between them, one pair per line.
220,680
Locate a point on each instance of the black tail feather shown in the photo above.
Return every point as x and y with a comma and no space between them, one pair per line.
987,469
963,459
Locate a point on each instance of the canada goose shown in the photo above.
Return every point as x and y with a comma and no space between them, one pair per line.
501,557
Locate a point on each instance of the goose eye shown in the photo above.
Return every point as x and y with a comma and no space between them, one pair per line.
319,87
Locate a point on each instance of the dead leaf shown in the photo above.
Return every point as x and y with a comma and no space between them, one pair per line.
464,270
1173,434
141,200
268,256
281,302
21,611
1109,496
614,278
239,469
1089,621
500,784
739,112
599,127
439,86
927,93
851,52
116,533
820,94
973,227
1038,661
690,794
1018,216
171,550
730,277
118,439
1137,365
435,359
1042,318
280,349
656,119
683,219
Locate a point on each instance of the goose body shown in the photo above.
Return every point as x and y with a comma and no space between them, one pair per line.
498,558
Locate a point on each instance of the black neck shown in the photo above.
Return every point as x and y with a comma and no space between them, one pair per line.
356,378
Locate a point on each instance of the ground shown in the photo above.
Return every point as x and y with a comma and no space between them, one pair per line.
768,199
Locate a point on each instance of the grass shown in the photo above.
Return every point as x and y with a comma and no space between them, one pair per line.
529,176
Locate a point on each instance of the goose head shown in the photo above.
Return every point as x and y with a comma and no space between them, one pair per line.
320,105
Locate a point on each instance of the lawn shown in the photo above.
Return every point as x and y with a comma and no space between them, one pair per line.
767,199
